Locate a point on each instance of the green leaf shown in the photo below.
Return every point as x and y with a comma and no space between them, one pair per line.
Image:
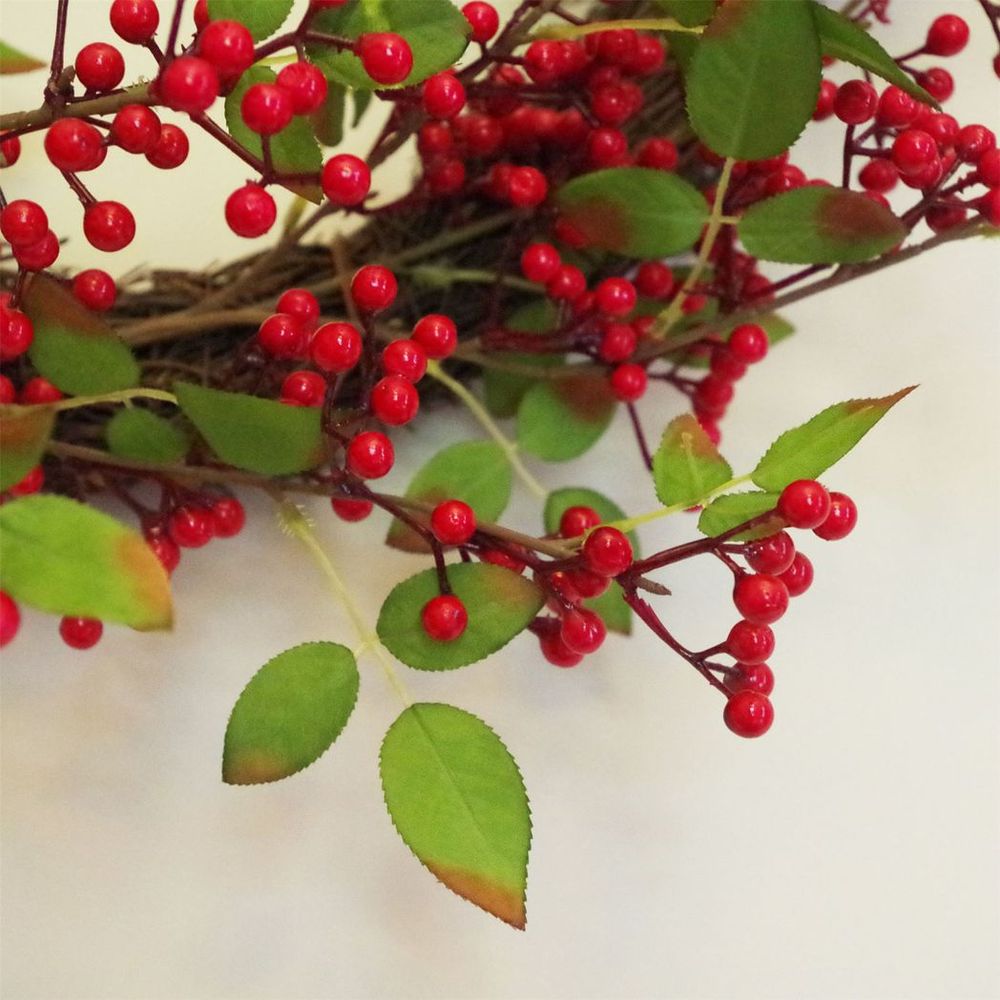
66,558
819,225
476,472
14,61
503,391
24,434
436,30
634,211
611,604
726,512
145,436
500,604
753,81
690,13
842,38
261,17
328,118
294,149
456,797
74,348
807,451
687,466
561,418
290,713
259,435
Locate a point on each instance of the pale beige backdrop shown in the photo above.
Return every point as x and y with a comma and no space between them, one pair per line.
851,853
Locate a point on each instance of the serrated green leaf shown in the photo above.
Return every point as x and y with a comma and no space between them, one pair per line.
73,347
753,81
328,118
809,450
290,713
559,419
476,472
66,558
687,466
500,605
294,149
842,38
726,512
15,61
261,17
503,391
456,797
435,29
259,435
24,434
145,436
635,211
819,225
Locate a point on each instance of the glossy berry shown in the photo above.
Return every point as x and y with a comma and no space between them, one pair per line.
583,631
282,336
136,128
555,650
577,520
443,95
201,14
654,280
349,509
302,304
370,455
606,147
228,517
713,395
938,82
799,576
628,382
752,677
305,84
989,206
855,102
386,57
988,171
879,176
335,347
453,522
947,35
73,145
81,633
539,262
10,618
346,179
227,45
303,388
394,400
771,555
405,358
171,148
761,599
750,643
166,550
896,108
748,343
615,296
567,284
618,342
825,100
444,618
804,504
10,150
373,288
748,714
973,141
657,154
725,365
37,391
607,552
840,521
108,225
188,84
527,187
95,289
483,19
8,394
266,108
250,211
134,21
436,334
40,255
99,66
191,526
23,222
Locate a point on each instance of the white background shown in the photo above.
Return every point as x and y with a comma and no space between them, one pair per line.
850,853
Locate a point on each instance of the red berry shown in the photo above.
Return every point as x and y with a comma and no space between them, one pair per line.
799,576
99,66
725,365
748,714
840,521
583,630
7,391
373,288
988,168
577,520
607,552
171,148
855,102
748,343
386,57
947,35
713,395
227,45
108,225
349,509
191,527
445,176
394,400
453,522
938,82
567,284
804,504
771,555
654,280
346,179
539,262
81,633
657,154
405,358
302,304
750,643
761,599
527,188
896,108
436,334
282,336
443,95
266,108
615,296
73,145
606,147
879,176
483,19
336,347
39,255
825,100
32,482
370,455
988,205
250,211
973,141
557,652
628,382
497,557
23,222
306,86
228,517
10,618
444,618
435,139
37,391
618,342
136,128
201,14
752,677
304,388
587,584
166,550
135,21
189,84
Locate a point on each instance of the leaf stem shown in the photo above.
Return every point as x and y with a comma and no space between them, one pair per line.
563,31
121,396
631,523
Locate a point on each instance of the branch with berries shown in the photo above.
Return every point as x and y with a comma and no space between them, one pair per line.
600,193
